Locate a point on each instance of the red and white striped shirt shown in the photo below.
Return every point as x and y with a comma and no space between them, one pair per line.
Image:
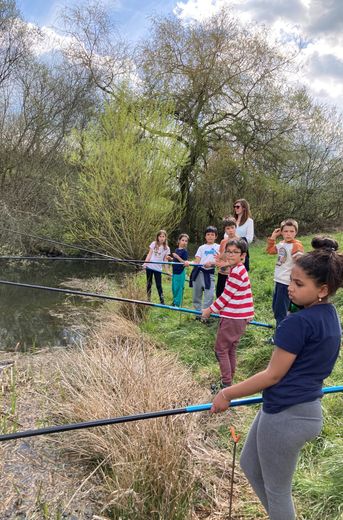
236,301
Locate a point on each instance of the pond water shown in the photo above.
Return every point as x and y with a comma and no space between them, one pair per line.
32,318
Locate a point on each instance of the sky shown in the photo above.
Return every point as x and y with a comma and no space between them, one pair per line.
319,24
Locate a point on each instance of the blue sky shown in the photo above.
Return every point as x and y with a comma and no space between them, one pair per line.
130,16
318,22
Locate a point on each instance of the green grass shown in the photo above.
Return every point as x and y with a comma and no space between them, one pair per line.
319,481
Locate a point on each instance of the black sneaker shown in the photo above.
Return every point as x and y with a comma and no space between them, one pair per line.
270,341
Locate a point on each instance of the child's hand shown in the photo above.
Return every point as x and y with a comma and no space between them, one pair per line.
206,313
276,233
220,404
220,262
208,264
186,263
144,266
169,258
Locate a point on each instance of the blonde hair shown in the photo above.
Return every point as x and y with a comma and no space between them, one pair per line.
289,222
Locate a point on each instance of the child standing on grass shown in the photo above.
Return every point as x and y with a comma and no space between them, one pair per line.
230,226
179,274
158,252
202,277
307,347
236,306
318,242
287,250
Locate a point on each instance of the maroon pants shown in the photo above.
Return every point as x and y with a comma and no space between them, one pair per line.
228,336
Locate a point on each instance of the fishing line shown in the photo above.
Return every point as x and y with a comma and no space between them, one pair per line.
80,248
120,299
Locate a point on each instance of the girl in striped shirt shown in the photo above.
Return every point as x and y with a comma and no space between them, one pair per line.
235,305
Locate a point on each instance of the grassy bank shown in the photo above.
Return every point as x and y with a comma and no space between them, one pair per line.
319,480
165,469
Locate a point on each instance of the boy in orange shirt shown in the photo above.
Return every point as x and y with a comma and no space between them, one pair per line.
287,250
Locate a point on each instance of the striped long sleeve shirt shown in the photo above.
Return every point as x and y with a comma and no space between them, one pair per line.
236,301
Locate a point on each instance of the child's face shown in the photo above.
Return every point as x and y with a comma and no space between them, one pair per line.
234,255
230,231
183,242
162,238
210,237
303,290
288,233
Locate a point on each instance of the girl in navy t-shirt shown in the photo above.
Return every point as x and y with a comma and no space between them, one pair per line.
179,274
307,344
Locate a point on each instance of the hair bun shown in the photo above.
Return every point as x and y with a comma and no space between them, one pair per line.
325,243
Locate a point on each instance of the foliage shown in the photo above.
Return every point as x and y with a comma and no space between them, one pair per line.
301,177
123,190
225,81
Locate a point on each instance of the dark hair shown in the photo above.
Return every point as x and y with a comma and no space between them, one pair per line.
289,222
321,242
324,267
211,229
181,236
229,222
240,243
246,210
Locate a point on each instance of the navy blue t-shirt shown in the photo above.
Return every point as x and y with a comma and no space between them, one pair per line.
314,335
183,253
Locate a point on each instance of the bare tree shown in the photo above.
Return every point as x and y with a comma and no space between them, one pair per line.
95,46
15,39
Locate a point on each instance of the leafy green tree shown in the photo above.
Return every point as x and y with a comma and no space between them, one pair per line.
124,189
221,77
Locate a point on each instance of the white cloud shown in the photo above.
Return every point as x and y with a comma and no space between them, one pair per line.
318,23
198,9
50,41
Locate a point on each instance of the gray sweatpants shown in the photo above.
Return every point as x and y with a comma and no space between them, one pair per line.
271,451
198,289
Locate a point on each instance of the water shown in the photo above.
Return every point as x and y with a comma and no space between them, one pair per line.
32,318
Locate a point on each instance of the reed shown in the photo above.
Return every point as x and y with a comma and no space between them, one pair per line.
146,467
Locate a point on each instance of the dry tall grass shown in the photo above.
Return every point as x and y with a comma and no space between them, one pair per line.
134,291
146,466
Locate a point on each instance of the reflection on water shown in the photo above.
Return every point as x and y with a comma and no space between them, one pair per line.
30,318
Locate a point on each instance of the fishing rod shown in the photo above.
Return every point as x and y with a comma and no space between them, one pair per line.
89,258
81,258
139,417
120,299
80,248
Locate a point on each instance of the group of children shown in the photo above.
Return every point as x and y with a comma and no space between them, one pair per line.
306,346
208,256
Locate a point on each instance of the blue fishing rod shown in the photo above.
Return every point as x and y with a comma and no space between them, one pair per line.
120,299
139,417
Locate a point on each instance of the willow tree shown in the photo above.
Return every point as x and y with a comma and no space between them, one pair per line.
123,189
